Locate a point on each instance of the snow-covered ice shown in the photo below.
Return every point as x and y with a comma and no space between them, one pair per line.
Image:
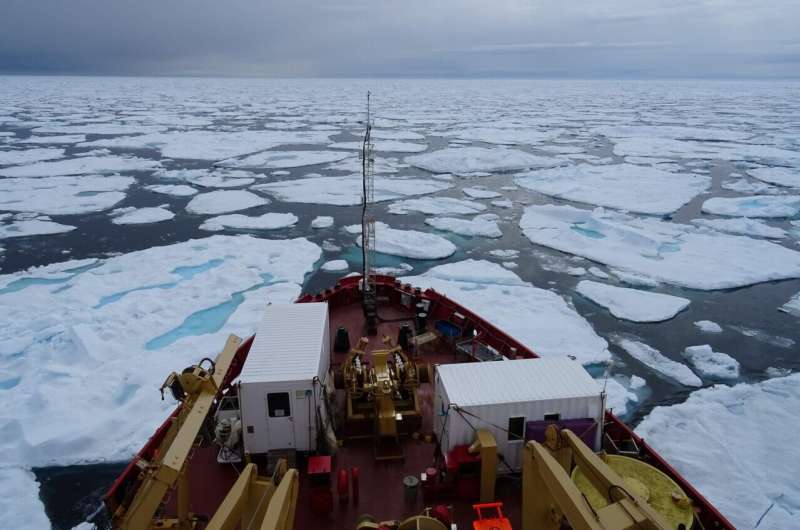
176,190
27,156
621,396
81,166
268,221
730,443
346,191
599,273
782,176
216,202
322,221
436,206
708,326
470,160
502,203
656,361
754,206
633,304
484,225
480,193
58,139
32,227
336,265
639,189
408,243
710,363
743,226
792,306
505,135
538,318
20,505
209,178
670,252
62,195
383,146
285,159
505,253
138,216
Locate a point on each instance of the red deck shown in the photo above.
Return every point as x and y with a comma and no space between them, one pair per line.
381,482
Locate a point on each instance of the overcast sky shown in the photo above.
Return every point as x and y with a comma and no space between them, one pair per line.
404,38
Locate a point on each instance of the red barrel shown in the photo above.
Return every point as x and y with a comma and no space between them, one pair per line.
343,486
354,473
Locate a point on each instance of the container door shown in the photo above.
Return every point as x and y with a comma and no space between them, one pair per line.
280,423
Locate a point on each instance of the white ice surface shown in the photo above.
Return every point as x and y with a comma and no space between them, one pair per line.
639,189
754,206
28,156
782,176
409,243
656,361
98,128
538,318
92,341
384,146
620,394
176,190
62,195
710,363
708,326
81,166
216,202
599,273
505,253
502,203
743,226
346,191
59,139
633,304
480,193
32,227
505,135
322,221
792,306
337,265
20,506
209,178
268,221
285,159
674,253
436,206
138,216
727,442
484,225
467,160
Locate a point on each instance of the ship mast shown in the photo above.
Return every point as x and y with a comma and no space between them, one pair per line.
369,296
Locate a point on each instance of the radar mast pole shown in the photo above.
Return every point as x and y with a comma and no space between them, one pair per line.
369,296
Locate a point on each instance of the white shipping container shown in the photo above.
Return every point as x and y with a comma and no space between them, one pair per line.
503,396
280,386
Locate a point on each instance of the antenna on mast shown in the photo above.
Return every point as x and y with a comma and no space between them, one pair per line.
369,294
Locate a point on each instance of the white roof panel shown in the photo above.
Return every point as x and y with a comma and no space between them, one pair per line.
288,344
516,381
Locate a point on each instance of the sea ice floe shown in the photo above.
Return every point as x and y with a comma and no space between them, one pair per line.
505,135
622,186
471,160
268,221
656,361
216,202
322,221
484,225
139,216
670,252
401,268
725,441
742,226
766,338
744,186
209,178
32,227
92,341
60,139
538,318
708,326
710,363
502,203
621,392
98,128
599,273
383,146
407,243
346,191
505,253
677,132
389,134
20,503
81,166
212,145
285,159
436,206
782,176
62,195
27,156
176,190
754,206
792,306
336,265
633,304
480,193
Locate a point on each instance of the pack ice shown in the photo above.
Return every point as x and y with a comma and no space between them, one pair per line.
658,362
754,206
538,318
84,165
639,189
484,225
62,195
633,304
674,253
725,441
467,160
91,340
407,243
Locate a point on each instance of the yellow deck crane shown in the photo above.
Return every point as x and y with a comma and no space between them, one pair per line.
549,495
255,502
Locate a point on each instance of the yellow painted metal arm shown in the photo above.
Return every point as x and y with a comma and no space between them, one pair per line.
280,512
